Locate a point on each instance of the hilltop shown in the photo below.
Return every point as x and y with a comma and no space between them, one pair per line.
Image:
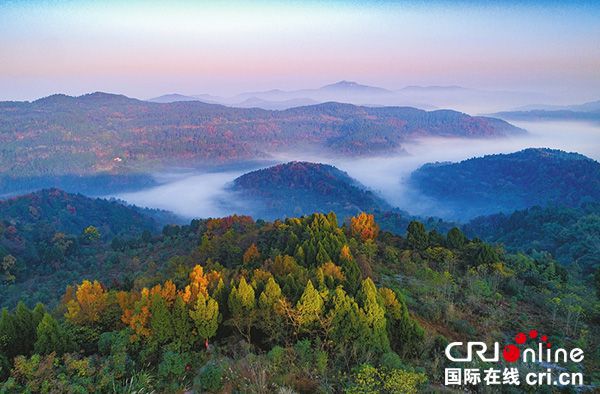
301,188
506,182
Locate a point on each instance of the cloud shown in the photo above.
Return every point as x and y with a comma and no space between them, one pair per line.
204,194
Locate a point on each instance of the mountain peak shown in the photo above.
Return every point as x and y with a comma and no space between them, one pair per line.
353,86
172,98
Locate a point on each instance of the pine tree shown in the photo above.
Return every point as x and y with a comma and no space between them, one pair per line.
373,317
405,334
322,256
38,314
416,236
269,307
347,332
24,329
161,323
242,305
351,271
206,317
455,239
50,337
8,334
182,325
309,308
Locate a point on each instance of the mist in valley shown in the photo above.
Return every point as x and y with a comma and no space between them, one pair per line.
201,195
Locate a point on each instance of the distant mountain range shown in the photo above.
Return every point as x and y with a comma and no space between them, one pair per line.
423,97
507,182
584,112
105,133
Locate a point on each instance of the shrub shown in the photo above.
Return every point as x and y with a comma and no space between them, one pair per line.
210,378
391,360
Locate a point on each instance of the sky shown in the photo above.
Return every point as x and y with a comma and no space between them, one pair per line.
145,49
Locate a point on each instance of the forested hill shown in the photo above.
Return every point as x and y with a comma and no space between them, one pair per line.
301,188
303,304
47,234
100,132
72,213
571,235
507,182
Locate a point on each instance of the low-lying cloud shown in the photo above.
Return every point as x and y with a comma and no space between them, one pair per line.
205,194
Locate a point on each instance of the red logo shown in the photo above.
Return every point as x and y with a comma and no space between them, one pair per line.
511,353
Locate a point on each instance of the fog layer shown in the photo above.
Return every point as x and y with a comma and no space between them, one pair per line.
205,195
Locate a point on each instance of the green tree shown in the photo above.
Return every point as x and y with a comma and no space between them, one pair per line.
416,236
90,234
347,331
271,321
206,317
182,325
8,334
50,337
38,314
373,317
161,323
405,334
242,306
8,265
310,308
455,239
351,271
24,329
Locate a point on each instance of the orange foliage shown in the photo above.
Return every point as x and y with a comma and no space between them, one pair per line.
88,304
251,255
168,291
345,254
198,284
332,270
364,226
221,225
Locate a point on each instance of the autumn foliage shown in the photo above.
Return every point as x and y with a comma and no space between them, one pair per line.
364,226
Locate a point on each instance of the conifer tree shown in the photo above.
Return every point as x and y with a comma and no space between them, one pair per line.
404,332
351,271
347,331
416,236
269,308
161,323
50,337
242,305
206,317
373,317
8,334
24,329
38,314
182,325
455,238
309,308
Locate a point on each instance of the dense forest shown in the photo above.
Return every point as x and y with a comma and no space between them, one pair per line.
571,235
507,182
105,133
301,188
297,305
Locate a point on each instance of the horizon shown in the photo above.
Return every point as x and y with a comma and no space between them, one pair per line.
146,50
